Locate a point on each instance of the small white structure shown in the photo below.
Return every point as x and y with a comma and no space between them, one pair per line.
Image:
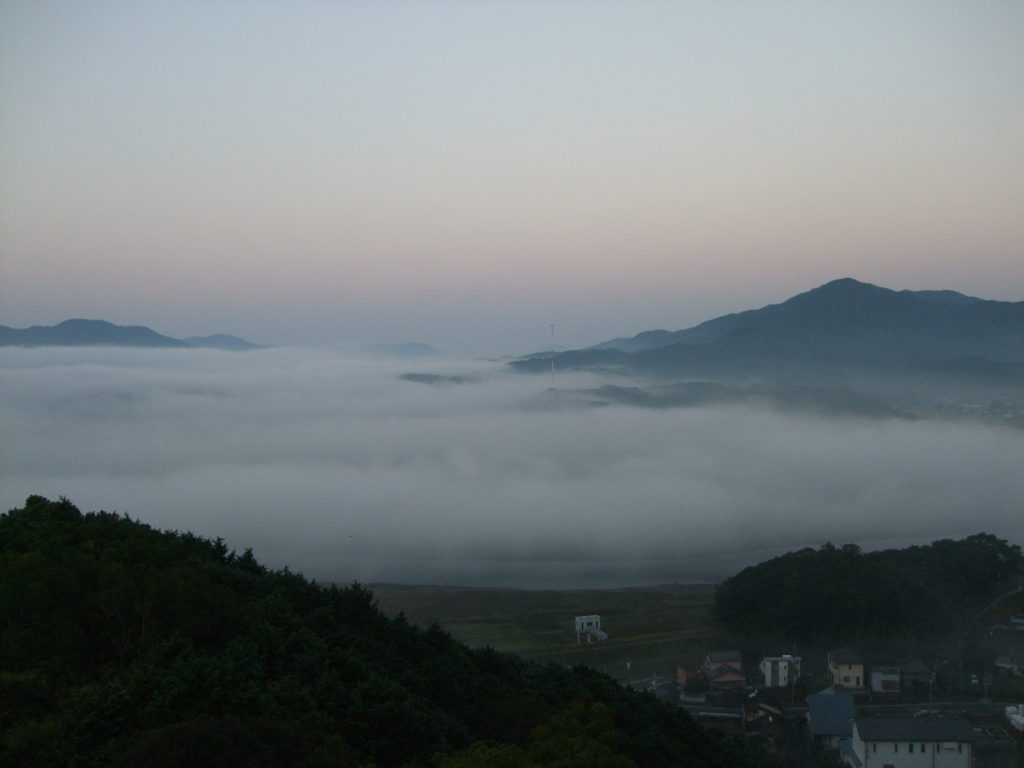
885,679
780,671
910,743
589,627
846,669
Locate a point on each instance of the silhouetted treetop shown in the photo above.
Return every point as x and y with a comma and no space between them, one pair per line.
839,593
124,645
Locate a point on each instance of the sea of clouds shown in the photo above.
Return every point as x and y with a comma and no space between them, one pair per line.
337,467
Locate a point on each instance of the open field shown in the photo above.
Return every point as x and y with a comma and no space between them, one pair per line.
652,628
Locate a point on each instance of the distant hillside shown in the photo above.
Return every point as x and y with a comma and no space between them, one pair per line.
100,333
222,341
832,594
861,318
127,646
841,325
85,333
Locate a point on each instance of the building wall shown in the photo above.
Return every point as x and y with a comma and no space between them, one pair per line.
906,754
874,754
847,675
885,680
780,671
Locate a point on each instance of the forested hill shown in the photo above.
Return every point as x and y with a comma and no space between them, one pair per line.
823,335
127,646
100,333
841,594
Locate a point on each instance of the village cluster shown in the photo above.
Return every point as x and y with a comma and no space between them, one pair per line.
880,713
869,714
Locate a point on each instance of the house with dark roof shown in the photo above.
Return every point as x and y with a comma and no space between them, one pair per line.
715,659
909,742
724,669
726,676
830,716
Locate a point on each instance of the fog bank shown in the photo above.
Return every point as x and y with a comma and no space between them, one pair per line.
342,469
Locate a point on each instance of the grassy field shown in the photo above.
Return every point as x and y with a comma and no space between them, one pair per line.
651,628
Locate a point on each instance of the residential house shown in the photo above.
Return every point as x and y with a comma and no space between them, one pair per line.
909,742
830,716
885,679
846,669
726,676
715,659
780,671
724,669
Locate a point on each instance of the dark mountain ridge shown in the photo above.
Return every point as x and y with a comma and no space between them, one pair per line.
825,335
855,316
94,333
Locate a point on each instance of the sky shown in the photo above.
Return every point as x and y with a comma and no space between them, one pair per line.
466,173
337,467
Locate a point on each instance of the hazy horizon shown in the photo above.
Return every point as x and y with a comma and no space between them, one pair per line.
544,338
464,174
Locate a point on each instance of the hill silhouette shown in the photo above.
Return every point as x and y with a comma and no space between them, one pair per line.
123,645
839,594
94,333
862,319
841,326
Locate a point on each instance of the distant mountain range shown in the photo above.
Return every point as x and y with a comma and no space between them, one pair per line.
825,333
100,333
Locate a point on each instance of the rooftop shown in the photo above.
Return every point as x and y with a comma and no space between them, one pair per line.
831,713
913,729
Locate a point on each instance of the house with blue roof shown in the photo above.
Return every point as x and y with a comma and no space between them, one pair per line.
830,715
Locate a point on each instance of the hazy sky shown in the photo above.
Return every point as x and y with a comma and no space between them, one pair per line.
336,467
464,173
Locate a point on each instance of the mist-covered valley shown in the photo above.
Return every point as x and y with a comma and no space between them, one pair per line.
468,472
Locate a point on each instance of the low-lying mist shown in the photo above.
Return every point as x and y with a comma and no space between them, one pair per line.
344,469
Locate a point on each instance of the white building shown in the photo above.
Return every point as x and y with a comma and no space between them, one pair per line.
898,742
885,679
846,669
780,671
590,628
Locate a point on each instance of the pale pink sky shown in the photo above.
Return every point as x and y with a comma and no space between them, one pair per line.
466,173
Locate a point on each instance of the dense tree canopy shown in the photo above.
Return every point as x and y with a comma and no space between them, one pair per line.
123,645
840,593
